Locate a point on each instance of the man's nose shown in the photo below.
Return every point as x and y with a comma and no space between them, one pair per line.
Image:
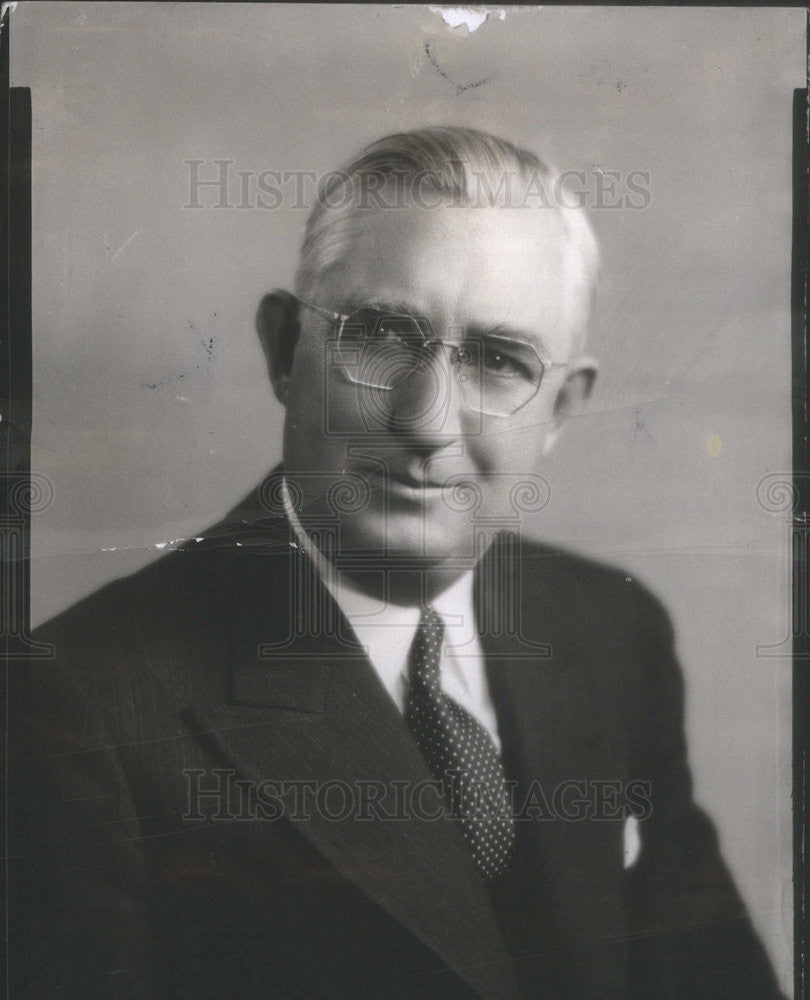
427,404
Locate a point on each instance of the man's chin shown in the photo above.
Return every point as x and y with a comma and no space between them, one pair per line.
407,541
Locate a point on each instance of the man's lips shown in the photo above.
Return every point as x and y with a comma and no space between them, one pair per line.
409,478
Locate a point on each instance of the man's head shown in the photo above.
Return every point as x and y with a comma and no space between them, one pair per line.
460,231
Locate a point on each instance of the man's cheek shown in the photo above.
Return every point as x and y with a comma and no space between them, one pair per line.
504,487
345,410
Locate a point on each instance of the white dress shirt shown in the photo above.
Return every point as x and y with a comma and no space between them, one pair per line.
386,631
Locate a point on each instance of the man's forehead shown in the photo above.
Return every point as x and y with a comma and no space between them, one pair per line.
458,231
487,266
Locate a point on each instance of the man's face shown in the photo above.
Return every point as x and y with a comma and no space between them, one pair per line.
470,272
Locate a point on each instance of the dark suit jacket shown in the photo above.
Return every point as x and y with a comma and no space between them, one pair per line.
227,661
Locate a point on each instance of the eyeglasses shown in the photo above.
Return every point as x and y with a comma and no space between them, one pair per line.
380,350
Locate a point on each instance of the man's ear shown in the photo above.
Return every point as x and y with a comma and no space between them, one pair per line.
572,397
278,328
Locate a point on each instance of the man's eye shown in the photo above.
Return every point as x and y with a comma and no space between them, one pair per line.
393,330
367,324
497,361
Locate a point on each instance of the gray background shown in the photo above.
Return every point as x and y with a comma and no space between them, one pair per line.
147,435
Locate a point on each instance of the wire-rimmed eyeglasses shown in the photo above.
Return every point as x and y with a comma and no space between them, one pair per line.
379,349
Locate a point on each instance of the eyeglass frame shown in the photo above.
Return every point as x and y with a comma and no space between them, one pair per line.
341,319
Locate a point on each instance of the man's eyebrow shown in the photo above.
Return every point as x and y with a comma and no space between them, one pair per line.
529,337
380,305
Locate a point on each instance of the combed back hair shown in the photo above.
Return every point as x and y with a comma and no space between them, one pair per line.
445,165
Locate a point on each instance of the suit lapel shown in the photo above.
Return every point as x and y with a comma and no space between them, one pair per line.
305,705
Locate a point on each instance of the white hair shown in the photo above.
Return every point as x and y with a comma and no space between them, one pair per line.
466,167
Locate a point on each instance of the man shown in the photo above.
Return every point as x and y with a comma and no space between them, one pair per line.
363,739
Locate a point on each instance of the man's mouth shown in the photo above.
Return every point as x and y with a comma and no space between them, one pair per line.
414,477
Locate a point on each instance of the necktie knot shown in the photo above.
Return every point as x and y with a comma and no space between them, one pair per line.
430,619
424,665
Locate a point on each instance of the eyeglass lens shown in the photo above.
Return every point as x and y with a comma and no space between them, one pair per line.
496,375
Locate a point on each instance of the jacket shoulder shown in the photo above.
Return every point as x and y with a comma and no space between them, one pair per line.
592,590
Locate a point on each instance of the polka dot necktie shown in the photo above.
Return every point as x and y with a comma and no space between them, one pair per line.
459,752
